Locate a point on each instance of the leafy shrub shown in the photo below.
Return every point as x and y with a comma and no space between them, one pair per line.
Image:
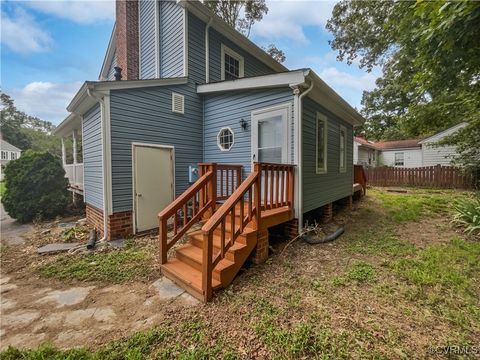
467,214
36,187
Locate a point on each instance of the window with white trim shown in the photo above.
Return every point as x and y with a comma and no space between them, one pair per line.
399,159
321,144
13,155
4,155
225,139
233,64
343,149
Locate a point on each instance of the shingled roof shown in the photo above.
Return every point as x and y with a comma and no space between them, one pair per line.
398,144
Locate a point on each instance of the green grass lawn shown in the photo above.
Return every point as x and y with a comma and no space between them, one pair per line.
399,281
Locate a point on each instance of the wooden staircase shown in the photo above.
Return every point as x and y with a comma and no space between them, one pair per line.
213,255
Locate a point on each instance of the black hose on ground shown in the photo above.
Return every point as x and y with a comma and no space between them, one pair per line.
313,240
92,239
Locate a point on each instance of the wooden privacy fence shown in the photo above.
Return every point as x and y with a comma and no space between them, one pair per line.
427,176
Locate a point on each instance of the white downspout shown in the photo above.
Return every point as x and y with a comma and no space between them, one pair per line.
300,155
106,190
207,51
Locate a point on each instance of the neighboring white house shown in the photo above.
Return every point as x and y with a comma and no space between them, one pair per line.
406,153
8,152
364,152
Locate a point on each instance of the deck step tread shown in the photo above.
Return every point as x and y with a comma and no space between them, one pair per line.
195,253
188,274
198,235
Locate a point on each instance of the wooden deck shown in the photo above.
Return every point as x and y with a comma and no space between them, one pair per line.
213,255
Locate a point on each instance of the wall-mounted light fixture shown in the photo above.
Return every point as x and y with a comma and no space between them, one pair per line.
243,124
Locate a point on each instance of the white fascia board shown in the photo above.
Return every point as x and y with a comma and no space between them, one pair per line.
328,98
291,78
443,133
204,14
65,128
107,60
401,149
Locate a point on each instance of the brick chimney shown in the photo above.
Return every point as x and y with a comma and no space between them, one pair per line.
127,38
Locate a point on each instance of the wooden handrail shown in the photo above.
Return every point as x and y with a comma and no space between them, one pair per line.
277,192
229,178
198,199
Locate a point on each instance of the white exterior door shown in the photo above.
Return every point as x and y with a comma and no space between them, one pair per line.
153,183
270,135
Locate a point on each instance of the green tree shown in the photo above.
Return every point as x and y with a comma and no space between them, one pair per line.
241,15
35,187
25,131
429,52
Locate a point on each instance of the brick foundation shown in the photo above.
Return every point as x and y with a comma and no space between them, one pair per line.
260,254
291,229
95,218
120,225
327,213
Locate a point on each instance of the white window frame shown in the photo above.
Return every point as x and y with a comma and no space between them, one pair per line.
218,138
4,155
344,168
237,56
13,155
321,117
395,158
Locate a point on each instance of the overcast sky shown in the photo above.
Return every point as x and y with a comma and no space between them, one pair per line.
48,48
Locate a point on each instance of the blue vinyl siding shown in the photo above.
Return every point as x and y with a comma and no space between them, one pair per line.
171,39
92,157
196,49
253,66
222,110
145,115
321,189
111,69
146,18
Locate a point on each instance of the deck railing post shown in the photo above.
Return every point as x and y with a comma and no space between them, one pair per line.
162,237
257,195
207,266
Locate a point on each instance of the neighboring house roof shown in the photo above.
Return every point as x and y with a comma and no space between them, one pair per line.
320,92
362,141
442,134
398,144
6,146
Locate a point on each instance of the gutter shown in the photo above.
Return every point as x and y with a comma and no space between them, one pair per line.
207,50
105,126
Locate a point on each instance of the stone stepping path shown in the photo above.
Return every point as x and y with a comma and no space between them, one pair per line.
32,314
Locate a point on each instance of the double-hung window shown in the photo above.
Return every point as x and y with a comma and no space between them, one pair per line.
343,149
4,155
13,155
399,159
232,64
321,142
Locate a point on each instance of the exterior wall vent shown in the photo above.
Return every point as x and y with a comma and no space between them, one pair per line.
178,103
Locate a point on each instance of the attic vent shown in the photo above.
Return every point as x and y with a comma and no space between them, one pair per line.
178,103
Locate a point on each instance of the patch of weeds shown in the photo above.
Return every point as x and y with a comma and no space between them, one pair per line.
116,266
402,207
452,265
445,278
165,342
360,272
379,239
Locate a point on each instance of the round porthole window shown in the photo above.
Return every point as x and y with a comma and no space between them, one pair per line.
225,139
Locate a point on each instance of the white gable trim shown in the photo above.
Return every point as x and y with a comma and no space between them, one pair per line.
443,133
107,61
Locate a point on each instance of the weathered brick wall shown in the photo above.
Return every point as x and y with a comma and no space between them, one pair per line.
127,38
95,218
120,225
260,253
